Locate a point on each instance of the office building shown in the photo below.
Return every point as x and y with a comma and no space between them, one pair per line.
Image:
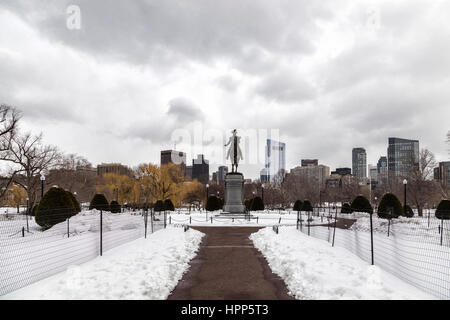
275,160
175,157
115,168
403,156
221,173
200,169
442,173
359,164
342,171
313,174
309,162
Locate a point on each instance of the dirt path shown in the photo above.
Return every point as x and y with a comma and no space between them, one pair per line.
228,266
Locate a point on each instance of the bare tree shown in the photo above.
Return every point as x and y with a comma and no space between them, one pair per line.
30,159
9,118
420,186
74,173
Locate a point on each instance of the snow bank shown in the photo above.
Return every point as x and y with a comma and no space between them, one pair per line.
142,269
312,269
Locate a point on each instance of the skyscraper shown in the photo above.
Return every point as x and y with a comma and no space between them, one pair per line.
275,160
359,163
442,173
200,169
221,172
403,156
382,165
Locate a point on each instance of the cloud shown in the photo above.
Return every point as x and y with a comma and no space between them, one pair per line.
183,111
329,74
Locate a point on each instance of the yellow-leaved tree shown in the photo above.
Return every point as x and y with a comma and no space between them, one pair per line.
16,196
161,183
121,188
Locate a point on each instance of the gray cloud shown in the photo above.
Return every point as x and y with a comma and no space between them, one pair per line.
329,74
183,111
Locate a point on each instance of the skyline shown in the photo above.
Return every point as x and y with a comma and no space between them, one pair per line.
329,76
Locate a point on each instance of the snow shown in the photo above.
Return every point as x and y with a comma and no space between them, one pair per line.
40,254
312,269
141,269
259,218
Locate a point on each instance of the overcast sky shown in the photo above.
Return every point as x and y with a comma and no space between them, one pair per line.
329,75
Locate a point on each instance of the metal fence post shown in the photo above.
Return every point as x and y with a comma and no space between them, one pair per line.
371,237
165,217
152,217
334,229
309,223
145,221
301,226
101,232
389,226
23,232
442,230
68,227
170,219
190,220
297,219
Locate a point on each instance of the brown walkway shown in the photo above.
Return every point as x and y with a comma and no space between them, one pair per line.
228,266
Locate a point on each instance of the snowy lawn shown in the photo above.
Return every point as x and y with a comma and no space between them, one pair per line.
142,269
259,218
312,269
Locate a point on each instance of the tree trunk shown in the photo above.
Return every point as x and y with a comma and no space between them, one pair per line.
420,211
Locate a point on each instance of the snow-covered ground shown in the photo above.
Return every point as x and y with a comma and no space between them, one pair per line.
312,269
141,269
40,254
258,218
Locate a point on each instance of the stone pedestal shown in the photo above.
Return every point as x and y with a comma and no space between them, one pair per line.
234,193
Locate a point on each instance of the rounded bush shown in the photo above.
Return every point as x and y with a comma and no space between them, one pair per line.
298,205
409,212
55,207
443,210
75,203
390,207
213,203
115,207
346,208
99,202
34,210
307,206
159,206
361,204
257,204
168,205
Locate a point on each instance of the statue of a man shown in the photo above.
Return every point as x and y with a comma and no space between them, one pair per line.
234,152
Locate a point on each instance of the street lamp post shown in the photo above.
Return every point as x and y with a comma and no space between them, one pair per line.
405,182
262,193
42,185
207,194
375,203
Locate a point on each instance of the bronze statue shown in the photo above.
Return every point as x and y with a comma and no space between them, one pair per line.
234,152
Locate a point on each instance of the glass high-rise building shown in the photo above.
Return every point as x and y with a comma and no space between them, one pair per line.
359,163
403,156
275,160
